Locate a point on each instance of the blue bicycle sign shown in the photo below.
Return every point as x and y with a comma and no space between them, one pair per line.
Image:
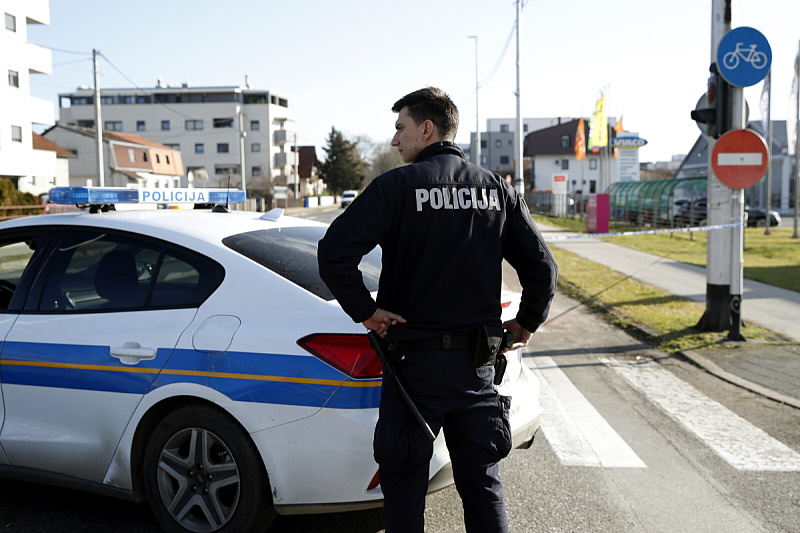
744,57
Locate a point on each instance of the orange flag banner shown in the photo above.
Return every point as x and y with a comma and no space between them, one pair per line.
580,142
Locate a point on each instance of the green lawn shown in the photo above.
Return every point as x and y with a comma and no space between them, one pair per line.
773,259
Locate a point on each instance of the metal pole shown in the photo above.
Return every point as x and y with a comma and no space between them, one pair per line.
477,115
518,149
242,135
797,168
98,123
718,253
769,151
296,160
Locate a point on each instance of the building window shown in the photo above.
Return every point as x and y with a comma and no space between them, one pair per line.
503,159
498,143
11,22
199,148
144,156
223,122
256,171
525,127
194,124
173,146
141,99
167,159
483,159
483,144
222,148
132,155
255,147
158,159
113,125
165,125
503,128
565,164
254,125
565,141
13,78
86,124
140,125
593,164
16,134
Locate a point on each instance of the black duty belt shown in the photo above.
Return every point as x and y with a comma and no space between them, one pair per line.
448,341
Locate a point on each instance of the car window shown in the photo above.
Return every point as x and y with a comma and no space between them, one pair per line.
292,253
16,255
107,272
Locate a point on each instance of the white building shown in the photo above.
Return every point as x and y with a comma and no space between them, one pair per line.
30,169
217,129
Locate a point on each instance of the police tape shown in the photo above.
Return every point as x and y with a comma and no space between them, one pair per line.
644,232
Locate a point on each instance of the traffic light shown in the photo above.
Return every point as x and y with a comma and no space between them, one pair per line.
718,115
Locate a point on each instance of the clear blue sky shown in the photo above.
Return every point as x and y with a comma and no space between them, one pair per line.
343,63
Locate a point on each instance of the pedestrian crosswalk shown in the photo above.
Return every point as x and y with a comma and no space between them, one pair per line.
580,435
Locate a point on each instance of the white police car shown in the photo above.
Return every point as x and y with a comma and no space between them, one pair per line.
195,359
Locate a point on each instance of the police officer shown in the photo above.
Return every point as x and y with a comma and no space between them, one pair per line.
444,227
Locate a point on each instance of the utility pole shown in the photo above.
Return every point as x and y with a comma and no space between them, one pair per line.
718,249
518,149
477,115
98,122
796,162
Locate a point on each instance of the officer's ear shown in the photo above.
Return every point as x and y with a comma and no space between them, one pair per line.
429,131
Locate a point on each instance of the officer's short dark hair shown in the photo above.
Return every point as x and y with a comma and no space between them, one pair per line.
431,104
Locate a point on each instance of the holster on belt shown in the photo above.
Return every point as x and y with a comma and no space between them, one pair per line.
486,342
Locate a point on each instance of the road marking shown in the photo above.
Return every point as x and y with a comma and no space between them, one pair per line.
578,434
734,439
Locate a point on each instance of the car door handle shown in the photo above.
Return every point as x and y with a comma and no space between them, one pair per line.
131,353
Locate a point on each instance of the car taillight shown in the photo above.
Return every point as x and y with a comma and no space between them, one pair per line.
375,481
348,353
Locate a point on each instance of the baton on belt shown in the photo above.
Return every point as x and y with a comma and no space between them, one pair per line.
387,369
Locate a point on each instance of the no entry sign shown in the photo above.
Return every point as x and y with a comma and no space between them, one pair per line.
740,158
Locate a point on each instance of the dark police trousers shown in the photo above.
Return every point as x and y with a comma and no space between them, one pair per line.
450,393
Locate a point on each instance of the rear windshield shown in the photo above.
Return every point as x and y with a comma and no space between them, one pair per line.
292,253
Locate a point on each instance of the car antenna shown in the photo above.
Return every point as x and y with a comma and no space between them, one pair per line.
224,208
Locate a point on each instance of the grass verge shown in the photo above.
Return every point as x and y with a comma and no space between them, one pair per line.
662,319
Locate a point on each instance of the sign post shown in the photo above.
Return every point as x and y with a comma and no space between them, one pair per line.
739,160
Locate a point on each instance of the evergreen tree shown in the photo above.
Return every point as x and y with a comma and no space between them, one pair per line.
343,168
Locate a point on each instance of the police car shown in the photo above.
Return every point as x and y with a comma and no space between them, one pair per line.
193,358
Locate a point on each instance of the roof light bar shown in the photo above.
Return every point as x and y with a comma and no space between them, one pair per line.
122,195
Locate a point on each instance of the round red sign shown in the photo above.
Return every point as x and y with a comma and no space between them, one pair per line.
740,158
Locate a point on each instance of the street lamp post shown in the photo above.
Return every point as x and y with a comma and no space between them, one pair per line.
477,115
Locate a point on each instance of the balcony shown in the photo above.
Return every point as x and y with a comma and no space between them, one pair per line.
284,136
285,158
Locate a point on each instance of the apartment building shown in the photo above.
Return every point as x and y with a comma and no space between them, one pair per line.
129,160
30,169
218,130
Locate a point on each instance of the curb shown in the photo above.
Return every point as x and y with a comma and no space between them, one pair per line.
714,369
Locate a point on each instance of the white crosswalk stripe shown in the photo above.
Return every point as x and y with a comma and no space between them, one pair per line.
737,441
578,434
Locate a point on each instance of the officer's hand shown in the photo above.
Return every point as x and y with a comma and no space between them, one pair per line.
521,335
380,321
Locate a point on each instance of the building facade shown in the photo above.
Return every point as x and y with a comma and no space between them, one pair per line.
30,169
218,130
129,160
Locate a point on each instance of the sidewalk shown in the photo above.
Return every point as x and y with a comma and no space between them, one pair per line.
770,370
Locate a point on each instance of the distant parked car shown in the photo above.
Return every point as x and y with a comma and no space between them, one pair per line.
348,197
692,213
758,218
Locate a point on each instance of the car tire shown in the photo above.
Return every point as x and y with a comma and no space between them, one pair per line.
202,473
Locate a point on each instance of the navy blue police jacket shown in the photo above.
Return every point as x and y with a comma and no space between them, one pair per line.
444,226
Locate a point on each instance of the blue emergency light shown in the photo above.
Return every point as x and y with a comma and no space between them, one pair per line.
122,195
